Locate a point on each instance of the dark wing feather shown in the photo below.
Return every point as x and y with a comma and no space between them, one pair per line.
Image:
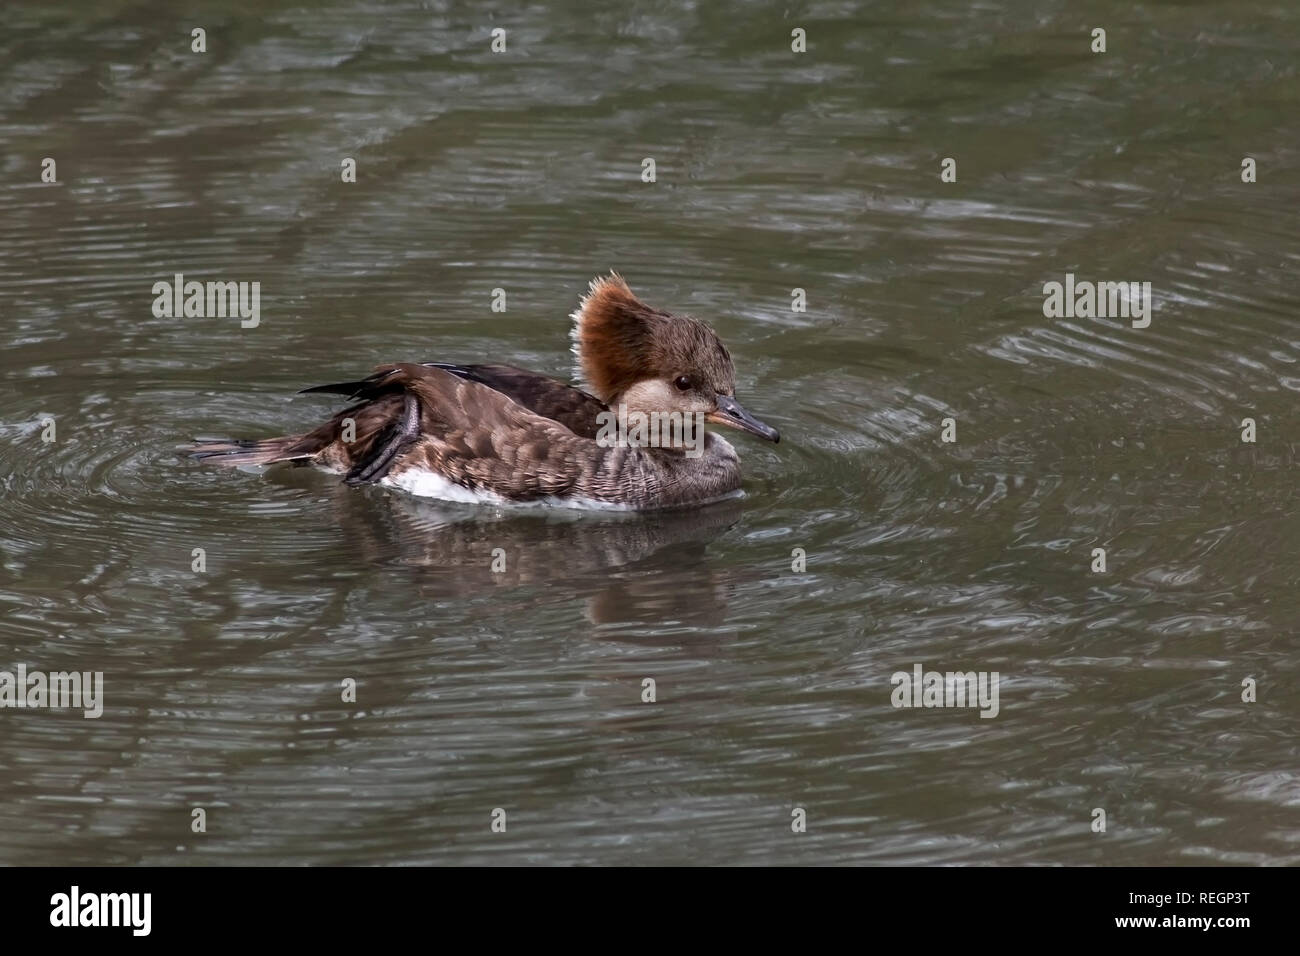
372,386
571,407
394,438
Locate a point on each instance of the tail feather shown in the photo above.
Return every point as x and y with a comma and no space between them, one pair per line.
362,441
372,386
243,452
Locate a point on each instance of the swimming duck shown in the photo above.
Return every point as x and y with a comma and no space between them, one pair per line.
500,434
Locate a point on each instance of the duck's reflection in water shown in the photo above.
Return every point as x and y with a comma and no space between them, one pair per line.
649,569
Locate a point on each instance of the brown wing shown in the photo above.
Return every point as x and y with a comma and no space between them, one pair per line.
479,437
573,408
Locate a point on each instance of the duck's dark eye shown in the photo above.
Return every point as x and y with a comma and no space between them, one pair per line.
683,383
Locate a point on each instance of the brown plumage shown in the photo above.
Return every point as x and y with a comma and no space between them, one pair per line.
495,432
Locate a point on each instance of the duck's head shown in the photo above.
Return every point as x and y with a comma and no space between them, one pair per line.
652,361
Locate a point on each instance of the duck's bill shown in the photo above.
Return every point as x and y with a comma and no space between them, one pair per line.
731,412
